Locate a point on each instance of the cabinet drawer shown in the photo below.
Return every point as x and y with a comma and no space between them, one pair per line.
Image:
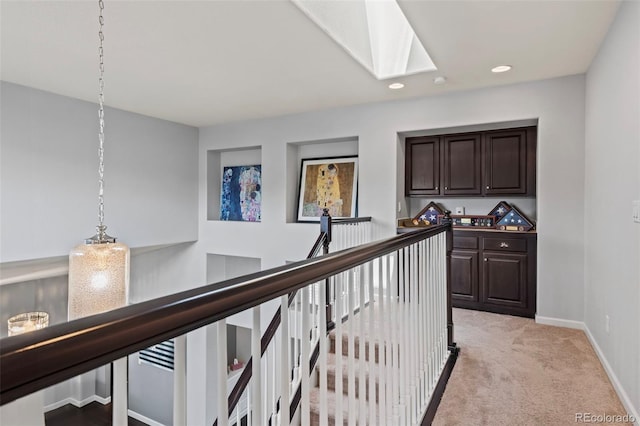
504,244
465,242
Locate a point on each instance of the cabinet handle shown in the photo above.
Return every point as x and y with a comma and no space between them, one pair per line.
505,245
488,187
446,187
486,260
436,188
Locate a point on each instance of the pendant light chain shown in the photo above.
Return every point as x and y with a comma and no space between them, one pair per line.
101,227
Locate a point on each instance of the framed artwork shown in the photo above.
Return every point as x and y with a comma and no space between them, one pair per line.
330,183
501,209
514,221
429,215
241,193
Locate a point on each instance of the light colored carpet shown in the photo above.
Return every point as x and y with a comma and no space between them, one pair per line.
512,371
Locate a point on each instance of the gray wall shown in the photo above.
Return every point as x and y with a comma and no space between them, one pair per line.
48,295
156,273
556,104
48,194
48,175
150,391
612,240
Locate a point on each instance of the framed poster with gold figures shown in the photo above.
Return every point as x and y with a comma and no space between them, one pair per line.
330,183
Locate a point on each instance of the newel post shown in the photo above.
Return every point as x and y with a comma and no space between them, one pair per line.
449,236
325,228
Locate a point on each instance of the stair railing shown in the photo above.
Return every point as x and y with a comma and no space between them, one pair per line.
410,294
338,234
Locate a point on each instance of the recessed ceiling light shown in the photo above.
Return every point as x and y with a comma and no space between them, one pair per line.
396,86
501,68
440,80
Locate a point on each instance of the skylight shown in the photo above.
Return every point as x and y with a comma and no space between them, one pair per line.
375,32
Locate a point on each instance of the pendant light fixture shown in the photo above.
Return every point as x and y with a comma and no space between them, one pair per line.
99,268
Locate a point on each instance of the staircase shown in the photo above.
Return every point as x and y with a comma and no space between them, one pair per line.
365,373
382,361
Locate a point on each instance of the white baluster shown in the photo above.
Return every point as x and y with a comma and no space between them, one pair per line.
256,369
382,341
372,348
297,308
413,366
322,361
304,357
223,407
351,356
340,302
271,382
407,334
436,316
120,404
180,380
431,306
394,327
362,363
443,289
249,410
284,360
423,326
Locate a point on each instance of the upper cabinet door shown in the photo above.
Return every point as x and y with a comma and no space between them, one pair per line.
422,175
506,162
462,164
505,156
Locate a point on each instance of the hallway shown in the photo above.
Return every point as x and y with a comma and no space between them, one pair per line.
512,371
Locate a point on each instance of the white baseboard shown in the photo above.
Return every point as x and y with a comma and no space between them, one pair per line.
624,398
143,419
75,402
101,400
579,325
617,386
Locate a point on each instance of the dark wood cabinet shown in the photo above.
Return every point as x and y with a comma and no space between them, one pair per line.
462,164
491,163
509,167
422,175
464,275
494,271
504,280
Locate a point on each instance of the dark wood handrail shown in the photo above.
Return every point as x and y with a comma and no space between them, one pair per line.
317,245
33,361
343,220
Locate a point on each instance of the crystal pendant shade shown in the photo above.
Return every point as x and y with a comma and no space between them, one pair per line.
98,278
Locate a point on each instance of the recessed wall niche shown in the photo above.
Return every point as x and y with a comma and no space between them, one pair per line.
238,348
296,151
217,160
225,267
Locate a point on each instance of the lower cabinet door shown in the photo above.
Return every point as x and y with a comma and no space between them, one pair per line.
464,275
504,279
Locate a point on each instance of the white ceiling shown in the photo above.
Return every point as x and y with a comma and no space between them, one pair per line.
209,62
